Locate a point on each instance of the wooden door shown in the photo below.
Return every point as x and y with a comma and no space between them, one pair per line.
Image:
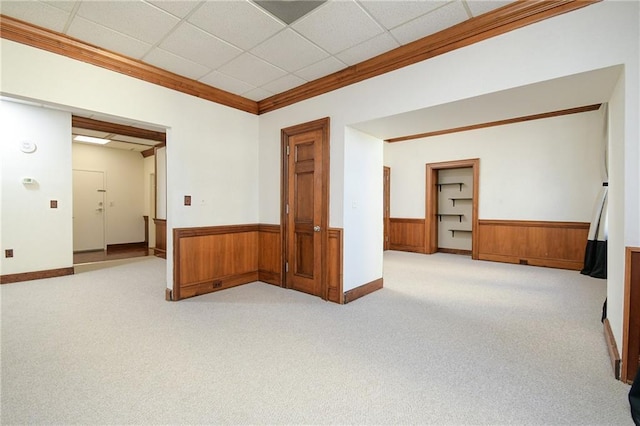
305,190
386,205
88,210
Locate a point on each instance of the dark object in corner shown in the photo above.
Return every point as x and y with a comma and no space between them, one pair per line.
634,399
604,311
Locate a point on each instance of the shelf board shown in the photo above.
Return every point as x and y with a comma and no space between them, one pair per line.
440,185
449,214
454,199
453,231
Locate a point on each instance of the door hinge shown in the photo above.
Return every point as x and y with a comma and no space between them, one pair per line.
286,209
287,149
286,266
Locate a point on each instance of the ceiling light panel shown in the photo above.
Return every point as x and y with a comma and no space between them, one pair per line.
193,43
107,38
90,139
289,51
36,12
240,23
252,70
394,13
137,19
337,26
176,64
439,19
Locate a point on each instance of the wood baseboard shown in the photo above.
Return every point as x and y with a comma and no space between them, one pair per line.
217,284
168,295
363,290
36,275
454,251
269,277
614,355
126,246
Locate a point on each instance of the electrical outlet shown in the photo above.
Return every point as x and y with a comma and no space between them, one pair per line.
187,200
54,204
217,284
8,253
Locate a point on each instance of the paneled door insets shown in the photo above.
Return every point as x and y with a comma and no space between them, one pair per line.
305,209
88,210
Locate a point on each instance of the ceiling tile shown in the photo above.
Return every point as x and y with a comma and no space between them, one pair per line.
179,8
88,132
337,26
257,94
283,84
251,70
241,23
107,38
368,49
133,139
176,64
446,16
394,13
36,12
289,51
66,5
134,18
192,43
320,69
225,82
478,7
289,11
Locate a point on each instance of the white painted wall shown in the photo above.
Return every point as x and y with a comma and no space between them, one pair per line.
149,198
41,237
211,149
124,175
161,183
363,208
535,170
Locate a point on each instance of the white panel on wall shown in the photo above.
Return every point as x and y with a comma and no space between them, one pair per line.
161,183
40,236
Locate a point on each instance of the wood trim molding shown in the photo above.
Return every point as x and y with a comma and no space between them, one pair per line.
363,290
431,200
558,113
51,41
36,275
507,18
168,295
120,129
612,348
631,315
334,276
214,230
535,224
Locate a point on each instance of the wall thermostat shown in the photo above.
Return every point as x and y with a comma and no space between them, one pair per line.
28,147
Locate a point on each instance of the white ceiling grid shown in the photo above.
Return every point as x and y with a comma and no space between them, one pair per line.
237,46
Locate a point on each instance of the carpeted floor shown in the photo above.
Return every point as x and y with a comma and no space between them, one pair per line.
447,341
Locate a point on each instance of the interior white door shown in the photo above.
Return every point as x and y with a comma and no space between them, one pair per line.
88,210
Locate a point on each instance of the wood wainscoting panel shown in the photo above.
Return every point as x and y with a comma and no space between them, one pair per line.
631,316
214,258
406,234
335,266
539,243
612,348
270,254
160,249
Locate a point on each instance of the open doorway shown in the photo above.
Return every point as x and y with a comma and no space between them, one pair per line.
114,171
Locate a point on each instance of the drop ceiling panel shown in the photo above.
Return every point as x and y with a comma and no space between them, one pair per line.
225,82
393,13
140,141
136,19
66,5
194,44
257,94
107,38
321,69
368,49
126,146
439,19
336,26
478,7
240,23
177,8
289,50
36,12
283,84
252,70
87,132
176,64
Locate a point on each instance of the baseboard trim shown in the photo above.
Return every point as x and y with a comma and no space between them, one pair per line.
167,295
269,277
454,251
36,275
614,355
126,246
363,290
217,284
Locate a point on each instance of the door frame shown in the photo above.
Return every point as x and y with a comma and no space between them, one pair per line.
431,203
322,124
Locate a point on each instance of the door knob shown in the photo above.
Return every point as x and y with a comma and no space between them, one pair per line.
316,228
99,209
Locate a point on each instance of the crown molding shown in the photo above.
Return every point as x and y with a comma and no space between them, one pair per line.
507,18
51,41
119,129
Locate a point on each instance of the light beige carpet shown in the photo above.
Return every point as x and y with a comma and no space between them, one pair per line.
447,341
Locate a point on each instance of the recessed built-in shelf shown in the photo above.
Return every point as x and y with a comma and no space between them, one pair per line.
453,231
449,214
440,185
453,200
